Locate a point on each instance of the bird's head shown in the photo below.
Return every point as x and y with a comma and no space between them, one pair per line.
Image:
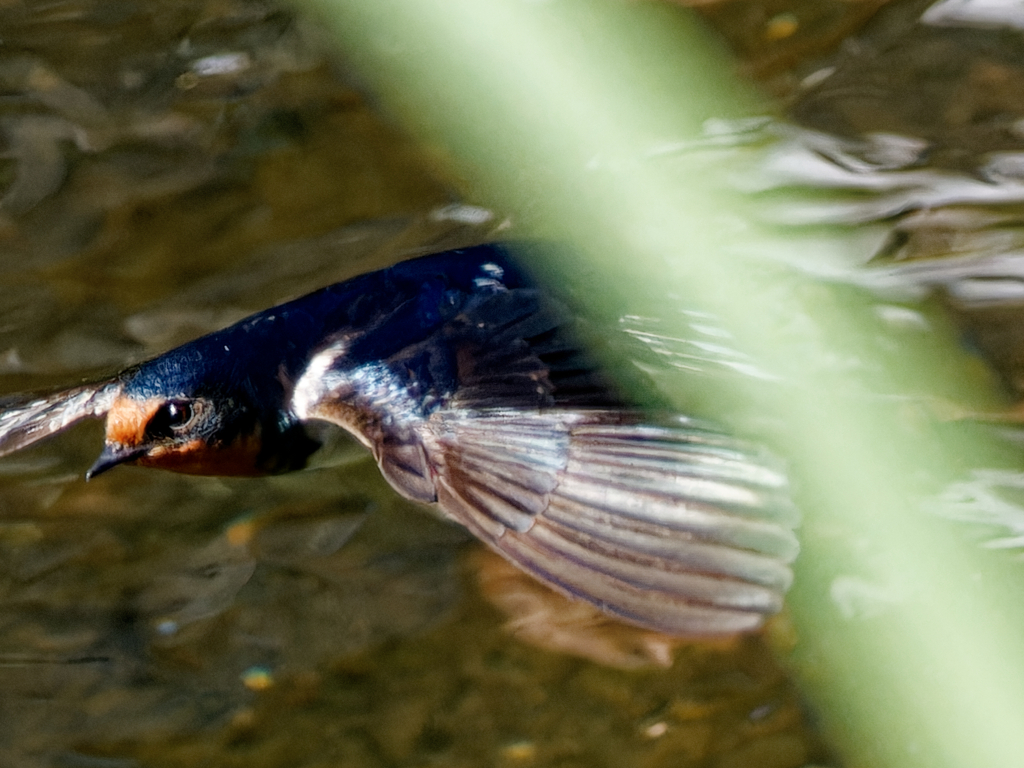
188,411
180,433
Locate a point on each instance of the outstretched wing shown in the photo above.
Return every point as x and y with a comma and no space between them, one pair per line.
667,525
500,419
25,422
502,348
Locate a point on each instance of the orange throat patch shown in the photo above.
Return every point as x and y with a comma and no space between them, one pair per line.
197,457
126,428
127,420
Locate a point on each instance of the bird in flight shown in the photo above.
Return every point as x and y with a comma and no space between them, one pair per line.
468,385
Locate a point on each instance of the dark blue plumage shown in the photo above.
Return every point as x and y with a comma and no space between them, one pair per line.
414,319
392,308
469,386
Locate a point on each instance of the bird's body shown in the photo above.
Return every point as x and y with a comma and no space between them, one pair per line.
468,385
395,325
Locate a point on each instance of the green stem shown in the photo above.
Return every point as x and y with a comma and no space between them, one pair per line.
556,111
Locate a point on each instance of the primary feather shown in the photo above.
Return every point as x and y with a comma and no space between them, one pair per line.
25,422
670,526
662,522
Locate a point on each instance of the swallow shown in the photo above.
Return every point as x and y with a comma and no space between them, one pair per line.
467,383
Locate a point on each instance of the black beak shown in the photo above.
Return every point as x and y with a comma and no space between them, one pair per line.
111,456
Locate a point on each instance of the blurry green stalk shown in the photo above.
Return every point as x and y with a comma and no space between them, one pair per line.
557,112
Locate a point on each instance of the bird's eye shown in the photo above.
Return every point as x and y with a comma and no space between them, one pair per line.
173,418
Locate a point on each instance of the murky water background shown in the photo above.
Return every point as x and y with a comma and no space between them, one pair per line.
169,167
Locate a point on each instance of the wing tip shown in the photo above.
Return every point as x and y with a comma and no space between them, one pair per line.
25,420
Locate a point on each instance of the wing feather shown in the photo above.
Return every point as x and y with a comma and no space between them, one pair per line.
500,418
672,527
23,423
668,524
672,611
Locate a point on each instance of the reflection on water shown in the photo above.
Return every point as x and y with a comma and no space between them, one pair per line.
135,608
993,498
169,167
